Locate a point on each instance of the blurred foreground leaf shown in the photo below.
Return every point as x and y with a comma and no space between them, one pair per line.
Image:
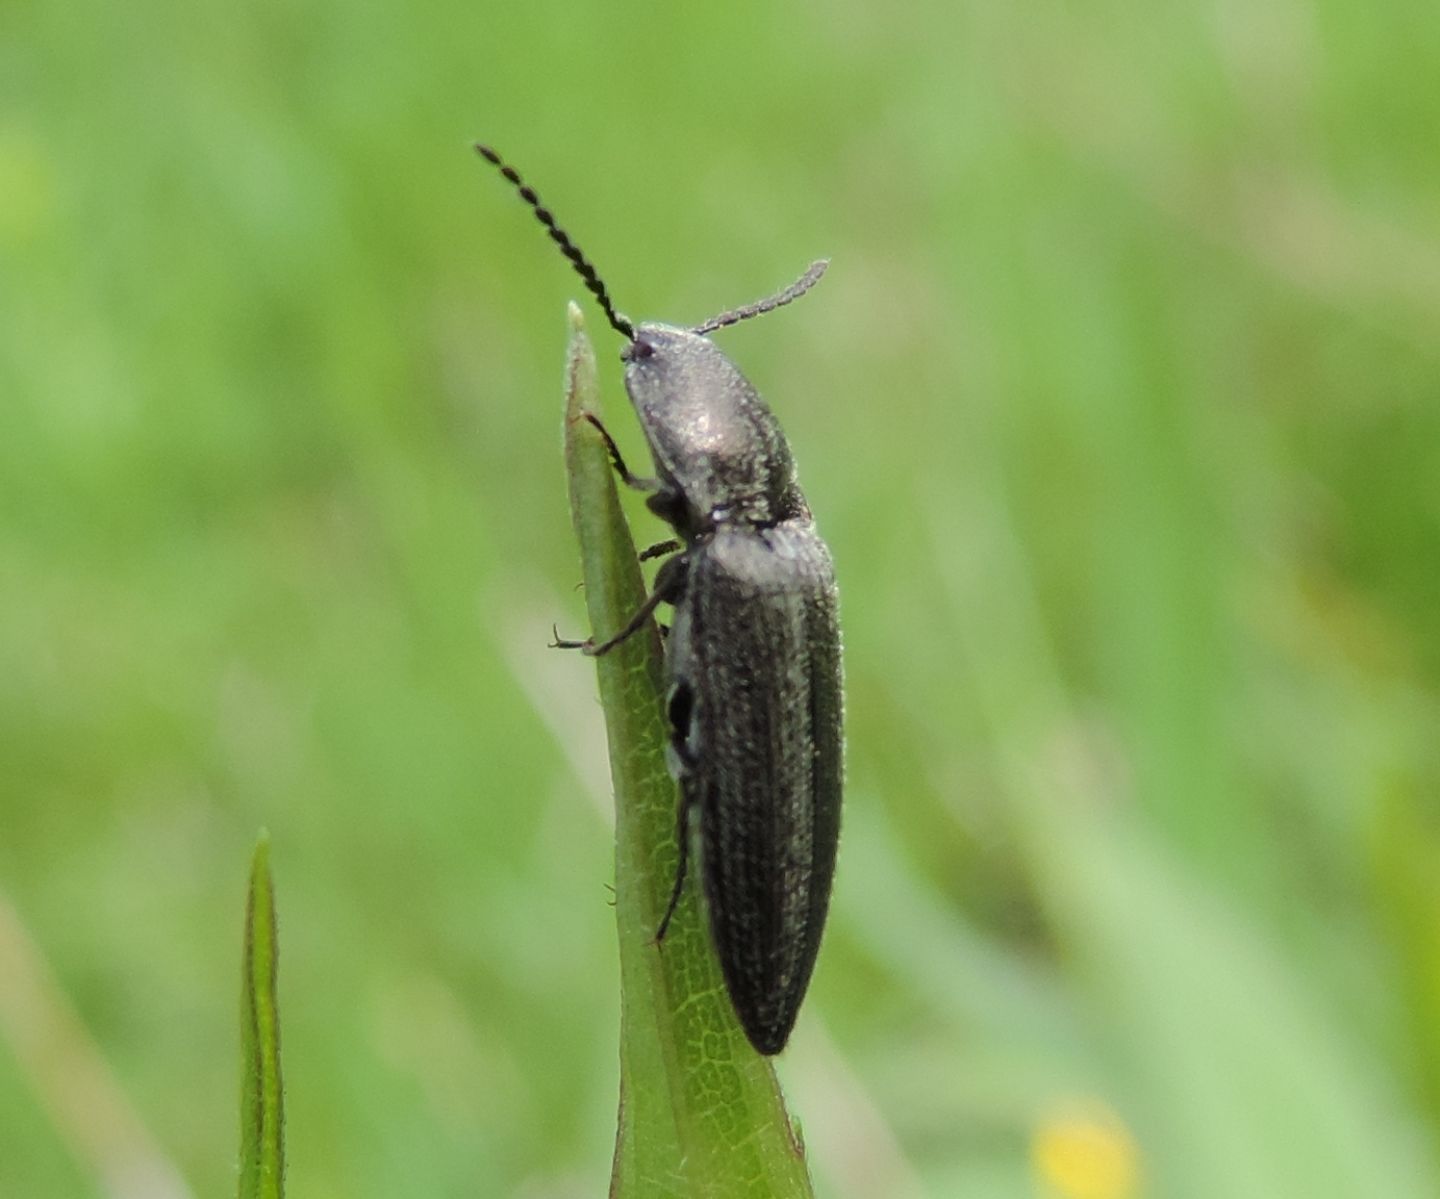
700,1111
262,1116
1239,1083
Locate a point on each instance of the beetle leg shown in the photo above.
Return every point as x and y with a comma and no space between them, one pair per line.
682,837
669,587
659,548
638,482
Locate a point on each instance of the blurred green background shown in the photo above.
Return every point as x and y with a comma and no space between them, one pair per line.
1118,408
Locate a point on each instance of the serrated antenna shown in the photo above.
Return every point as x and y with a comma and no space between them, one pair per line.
760,307
582,265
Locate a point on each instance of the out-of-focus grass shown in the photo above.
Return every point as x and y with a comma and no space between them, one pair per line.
1118,408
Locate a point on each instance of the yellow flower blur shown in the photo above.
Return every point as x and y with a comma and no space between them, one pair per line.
1085,1153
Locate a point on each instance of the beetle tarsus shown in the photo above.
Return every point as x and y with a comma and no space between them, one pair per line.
559,642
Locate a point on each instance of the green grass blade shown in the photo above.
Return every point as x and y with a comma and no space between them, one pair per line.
262,1116
701,1112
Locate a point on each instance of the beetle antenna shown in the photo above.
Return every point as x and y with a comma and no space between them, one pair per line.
760,307
582,265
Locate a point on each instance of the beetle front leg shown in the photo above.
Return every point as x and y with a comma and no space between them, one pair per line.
669,587
638,482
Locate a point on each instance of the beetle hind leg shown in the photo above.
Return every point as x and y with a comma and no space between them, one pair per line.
682,838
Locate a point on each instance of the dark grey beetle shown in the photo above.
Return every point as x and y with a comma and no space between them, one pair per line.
753,654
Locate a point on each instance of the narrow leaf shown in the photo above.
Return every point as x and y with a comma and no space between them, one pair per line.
701,1113
262,1131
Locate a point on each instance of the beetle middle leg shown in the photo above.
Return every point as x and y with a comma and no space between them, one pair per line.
669,587
660,549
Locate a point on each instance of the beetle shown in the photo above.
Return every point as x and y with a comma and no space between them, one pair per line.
754,700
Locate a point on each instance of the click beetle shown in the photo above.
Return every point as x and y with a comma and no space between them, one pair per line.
754,704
